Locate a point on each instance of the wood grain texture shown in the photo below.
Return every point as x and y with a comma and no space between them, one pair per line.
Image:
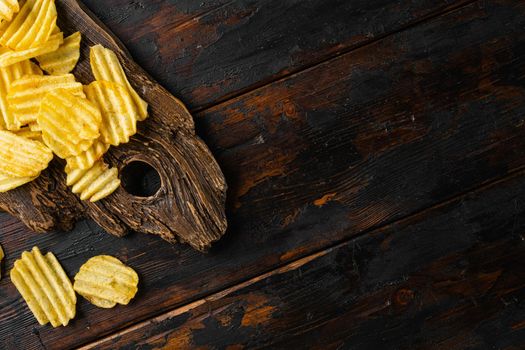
317,158
452,278
211,50
188,207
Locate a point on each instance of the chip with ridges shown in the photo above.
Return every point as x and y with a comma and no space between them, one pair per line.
7,76
28,133
64,59
21,157
26,94
8,8
31,26
119,115
106,66
45,287
94,183
8,183
8,56
85,160
106,281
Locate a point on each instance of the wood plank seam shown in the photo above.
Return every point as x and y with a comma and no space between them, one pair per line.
302,260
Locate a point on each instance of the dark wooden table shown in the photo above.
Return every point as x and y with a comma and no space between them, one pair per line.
374,151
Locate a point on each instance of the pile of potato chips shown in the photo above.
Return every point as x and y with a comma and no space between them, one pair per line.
44,111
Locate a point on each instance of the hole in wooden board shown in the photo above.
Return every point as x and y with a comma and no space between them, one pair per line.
140,179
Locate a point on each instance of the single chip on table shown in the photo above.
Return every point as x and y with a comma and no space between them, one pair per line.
21,157
8,8
106,281
119,114
25,94
94,183
9,56
85,160
106,66
45,287
64,59
31,26
7,76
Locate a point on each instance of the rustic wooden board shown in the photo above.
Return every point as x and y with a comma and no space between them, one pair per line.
352,127
189,205
208,51
452,277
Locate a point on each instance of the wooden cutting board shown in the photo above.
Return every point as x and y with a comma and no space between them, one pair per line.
171,184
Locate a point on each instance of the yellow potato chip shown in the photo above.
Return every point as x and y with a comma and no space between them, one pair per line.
27,133
31,26
64,59
85,160
9,56
94,183
106,281
21,157
8,8
45,287
26,94
8,183
34,126
70,124
106,66
119,115
7,76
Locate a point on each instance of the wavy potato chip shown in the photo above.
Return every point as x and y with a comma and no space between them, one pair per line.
8,8
85,160
106,66
31,26
70,124
94,183
21,157
26,94
106,281
27,133
64,59
8,183
9,56
7,76
119,115
45,287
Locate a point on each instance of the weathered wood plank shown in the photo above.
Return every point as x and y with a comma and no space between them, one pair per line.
367,138
450,278
207,51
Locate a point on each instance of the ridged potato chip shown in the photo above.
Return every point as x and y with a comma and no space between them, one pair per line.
27,133
94,183
106,281
64,59
119,115
26,94
34,126
106,66
70,124
85,160
21,157
45,287
8,8
9,56
8,183
7,76
31,26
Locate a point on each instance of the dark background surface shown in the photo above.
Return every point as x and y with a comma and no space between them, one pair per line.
374,154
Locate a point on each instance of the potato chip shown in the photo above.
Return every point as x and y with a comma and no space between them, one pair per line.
34,126
7,76
27,133
85,160
94,183
21,157
70,124
31,27
106,66
45,287
106,281
26,94
119,115
8,183
8,8
63,60
9,57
